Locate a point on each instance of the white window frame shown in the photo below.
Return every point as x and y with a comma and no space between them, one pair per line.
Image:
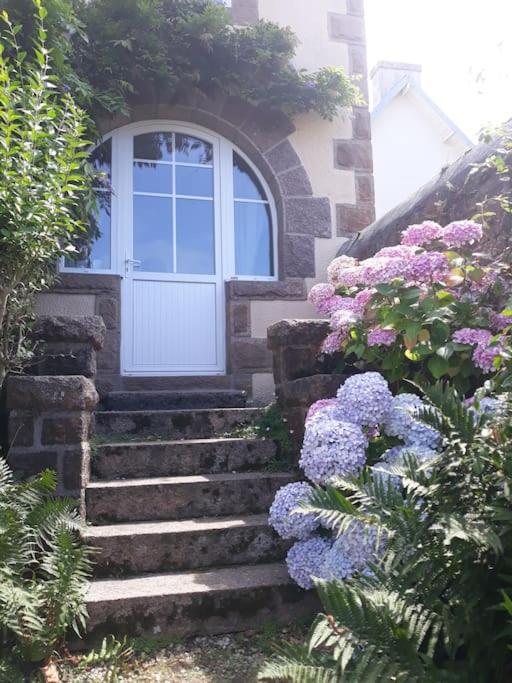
227,200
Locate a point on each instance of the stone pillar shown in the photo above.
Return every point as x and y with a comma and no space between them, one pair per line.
68,345
50,421
302,374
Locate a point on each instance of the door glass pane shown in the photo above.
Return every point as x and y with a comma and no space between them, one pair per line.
193,151
95,253
152,233
194,181
253,239
195,237
246,184
101,161
154,146
152,177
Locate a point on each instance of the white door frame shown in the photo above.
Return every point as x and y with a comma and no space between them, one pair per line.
124,248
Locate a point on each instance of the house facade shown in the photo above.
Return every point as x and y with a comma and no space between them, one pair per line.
413,139
216,217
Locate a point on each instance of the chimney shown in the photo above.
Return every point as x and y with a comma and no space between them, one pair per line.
385,75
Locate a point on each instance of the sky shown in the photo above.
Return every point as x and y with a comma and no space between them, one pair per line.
464,46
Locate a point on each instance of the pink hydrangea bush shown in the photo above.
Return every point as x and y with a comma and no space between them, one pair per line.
406,310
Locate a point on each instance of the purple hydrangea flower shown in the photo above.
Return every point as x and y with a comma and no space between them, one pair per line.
421,234
352,552
483,356
428,266
332,343
471,335
381,337
376,271
325,409
343,320
396,457
400,251
321,296
331,449
362,300
365,399
336,272
306,559
459,233
401,421
499,321
283,516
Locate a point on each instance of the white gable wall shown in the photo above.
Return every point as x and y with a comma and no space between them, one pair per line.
411,144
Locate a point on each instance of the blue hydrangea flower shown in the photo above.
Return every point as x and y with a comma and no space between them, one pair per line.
286,522
401,420
365,399
396,457
352,552
332,449
305,559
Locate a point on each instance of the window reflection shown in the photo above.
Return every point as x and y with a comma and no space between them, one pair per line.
194,181
195,237
94,251
149,177
192,150
152,233
246,183
153,146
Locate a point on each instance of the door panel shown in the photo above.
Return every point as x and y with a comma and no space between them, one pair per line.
174,325
173,293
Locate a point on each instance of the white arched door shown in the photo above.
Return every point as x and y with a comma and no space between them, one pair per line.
172,293
180,211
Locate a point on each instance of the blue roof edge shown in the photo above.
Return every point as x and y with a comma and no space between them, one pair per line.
418,90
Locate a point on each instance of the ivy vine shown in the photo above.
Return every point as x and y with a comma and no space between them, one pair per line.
111,53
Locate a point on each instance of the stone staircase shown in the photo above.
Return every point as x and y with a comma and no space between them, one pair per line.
177,512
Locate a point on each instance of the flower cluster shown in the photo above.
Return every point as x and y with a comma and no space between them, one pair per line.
365,399
335,445
422,234
379,336
306,559
351,552
381,308
332,449
485,350
283,512
402,421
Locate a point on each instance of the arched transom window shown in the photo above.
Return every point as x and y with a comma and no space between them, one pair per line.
178,200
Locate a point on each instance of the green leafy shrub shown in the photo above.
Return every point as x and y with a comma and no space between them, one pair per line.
43,569
42,186
109,51
434,606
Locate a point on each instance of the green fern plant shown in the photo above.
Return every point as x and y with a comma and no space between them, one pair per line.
43,568
435,606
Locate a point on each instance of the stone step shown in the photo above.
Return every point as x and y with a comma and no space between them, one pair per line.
196,603
173,424
180,458
174,498
151,547
175,400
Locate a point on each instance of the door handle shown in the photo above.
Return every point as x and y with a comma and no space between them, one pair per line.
135,263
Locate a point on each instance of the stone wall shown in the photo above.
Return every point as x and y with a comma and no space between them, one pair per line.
51,415
86,295
457,193
302,373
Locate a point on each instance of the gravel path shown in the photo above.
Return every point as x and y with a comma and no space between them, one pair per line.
219,659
